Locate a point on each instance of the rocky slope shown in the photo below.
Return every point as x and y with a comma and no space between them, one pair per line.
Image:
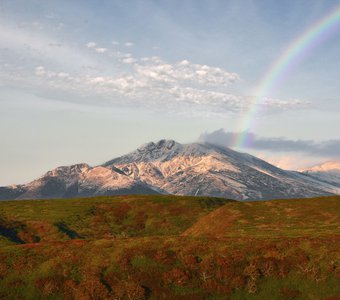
172,168
77,181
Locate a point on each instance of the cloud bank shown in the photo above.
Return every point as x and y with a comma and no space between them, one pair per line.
328,148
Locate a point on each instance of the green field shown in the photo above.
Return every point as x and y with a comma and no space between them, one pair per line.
170,247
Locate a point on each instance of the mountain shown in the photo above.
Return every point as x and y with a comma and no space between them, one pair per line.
77,181
207,169
328,172
168,167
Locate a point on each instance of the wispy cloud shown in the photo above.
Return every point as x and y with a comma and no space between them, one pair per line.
184,87
25,43
101,50
185,71
129,60
91,45
118,78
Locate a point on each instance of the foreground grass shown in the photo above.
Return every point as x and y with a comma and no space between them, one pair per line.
165,247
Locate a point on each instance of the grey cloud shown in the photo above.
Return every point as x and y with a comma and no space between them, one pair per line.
330,148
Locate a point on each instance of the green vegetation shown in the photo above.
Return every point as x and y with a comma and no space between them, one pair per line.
167,247
100,217
275,218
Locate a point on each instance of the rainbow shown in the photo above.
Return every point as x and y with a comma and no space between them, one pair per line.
276,73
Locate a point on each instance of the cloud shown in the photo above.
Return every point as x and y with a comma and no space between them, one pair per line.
129,44
129,60
119,78
101,50
291,161
152,83
185,71
40,71
26,44
91,45
328,148
183,88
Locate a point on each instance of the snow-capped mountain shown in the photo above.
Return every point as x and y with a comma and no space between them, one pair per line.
77,181
174,168
328,172
206,169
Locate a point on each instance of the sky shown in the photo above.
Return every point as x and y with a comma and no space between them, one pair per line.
87,81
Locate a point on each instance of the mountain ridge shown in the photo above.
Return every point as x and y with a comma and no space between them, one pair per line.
169,167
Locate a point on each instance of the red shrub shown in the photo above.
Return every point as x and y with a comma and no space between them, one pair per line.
176,276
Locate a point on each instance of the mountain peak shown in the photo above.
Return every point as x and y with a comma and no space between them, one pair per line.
68,170
161,144
161,150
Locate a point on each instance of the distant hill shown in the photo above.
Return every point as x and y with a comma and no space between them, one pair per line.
328,172
168,167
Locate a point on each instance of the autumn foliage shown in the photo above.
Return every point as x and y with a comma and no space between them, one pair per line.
165,247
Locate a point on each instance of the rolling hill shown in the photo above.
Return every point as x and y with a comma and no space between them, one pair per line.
170,247
271,218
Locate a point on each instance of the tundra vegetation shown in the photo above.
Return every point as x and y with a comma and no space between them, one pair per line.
170,247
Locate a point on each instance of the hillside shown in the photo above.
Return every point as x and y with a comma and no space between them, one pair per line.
266,219
168,167
100,217
170,247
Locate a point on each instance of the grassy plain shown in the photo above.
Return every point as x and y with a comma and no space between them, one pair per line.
170,247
